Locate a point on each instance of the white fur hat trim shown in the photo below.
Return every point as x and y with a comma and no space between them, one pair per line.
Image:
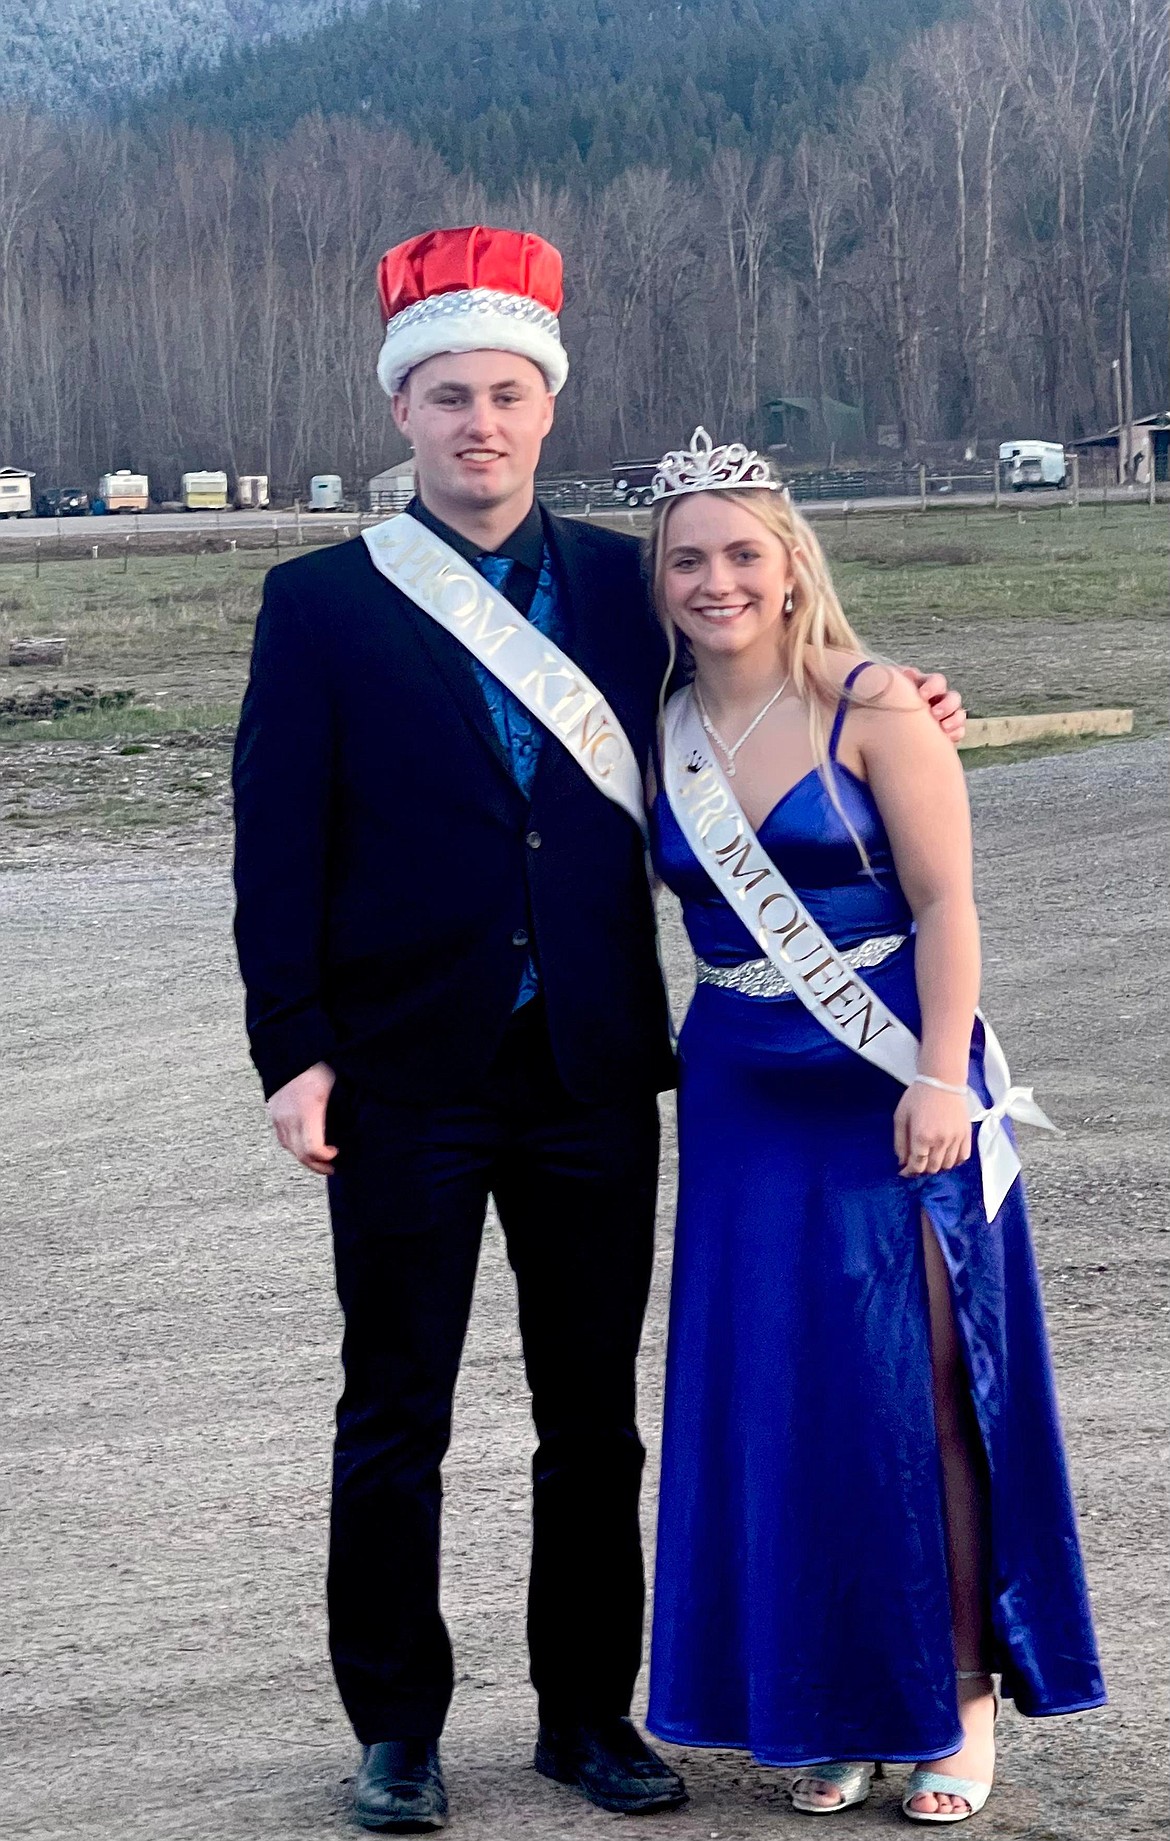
472,320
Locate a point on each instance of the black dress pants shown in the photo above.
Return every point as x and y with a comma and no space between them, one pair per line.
574,1187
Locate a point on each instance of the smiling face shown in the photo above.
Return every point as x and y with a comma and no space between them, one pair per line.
724,576
476,421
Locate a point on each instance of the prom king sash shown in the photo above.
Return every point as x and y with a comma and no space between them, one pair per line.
829,988
536,671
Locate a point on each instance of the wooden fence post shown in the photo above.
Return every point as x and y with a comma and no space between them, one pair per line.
921,486
1076,481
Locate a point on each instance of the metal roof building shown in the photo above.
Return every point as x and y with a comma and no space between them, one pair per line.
393,489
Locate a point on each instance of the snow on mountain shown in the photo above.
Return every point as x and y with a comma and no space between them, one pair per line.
62,55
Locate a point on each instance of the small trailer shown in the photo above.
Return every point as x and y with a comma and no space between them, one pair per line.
325,492
204,492
632,480
1032,463
124,491
251,492
15,492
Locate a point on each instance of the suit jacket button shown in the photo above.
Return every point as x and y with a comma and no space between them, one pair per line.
533,840
520,937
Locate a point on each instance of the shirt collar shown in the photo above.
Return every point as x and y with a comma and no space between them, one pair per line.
525,545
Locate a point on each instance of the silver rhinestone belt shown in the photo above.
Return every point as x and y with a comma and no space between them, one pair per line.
760,978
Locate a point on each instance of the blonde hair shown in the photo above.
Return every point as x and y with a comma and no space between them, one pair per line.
816,625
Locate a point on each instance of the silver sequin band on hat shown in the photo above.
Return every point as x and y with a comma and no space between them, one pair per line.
463,302
760,978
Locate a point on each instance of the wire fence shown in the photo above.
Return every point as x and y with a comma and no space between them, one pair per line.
831,494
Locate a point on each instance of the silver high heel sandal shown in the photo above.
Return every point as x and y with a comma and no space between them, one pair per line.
855,1781
936,1783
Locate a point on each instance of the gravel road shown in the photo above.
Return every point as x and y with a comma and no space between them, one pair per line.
170,1367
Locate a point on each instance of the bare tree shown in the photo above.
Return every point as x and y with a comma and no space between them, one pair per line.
1132,45
825,188
24,174
747,194
896,171
961,250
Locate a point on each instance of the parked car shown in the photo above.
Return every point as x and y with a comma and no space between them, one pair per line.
62,502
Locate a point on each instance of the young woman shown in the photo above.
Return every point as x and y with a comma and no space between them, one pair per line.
865,1515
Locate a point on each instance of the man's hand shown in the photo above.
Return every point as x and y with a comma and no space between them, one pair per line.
297,1112
944,704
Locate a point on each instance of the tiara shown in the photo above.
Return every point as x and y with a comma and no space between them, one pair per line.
703,467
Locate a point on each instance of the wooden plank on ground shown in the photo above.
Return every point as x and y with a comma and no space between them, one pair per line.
1005,731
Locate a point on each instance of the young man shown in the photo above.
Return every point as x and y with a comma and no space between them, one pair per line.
448,942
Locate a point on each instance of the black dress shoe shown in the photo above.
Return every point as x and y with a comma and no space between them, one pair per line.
611,1764
399,1788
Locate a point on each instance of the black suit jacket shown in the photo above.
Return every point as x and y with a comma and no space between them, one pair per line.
389,872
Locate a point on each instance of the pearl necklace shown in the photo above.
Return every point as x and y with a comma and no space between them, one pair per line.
731,750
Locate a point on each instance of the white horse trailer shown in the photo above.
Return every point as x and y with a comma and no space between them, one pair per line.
325,492
1032,463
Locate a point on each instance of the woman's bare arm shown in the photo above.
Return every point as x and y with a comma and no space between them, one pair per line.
921,793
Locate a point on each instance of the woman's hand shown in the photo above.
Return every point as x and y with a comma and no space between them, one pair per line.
932,1131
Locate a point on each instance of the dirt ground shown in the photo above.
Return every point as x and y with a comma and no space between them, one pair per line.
170,1367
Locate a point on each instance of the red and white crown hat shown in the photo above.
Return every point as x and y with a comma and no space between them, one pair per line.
471,290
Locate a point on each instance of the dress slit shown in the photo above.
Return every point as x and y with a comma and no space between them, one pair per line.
802,1602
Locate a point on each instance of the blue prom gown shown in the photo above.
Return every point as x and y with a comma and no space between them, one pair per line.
801,1609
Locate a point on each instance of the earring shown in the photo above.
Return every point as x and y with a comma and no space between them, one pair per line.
788,602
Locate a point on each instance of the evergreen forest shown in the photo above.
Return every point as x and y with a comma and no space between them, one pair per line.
950,217
573,92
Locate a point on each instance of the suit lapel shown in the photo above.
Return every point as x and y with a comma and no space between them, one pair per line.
585,641
454,665
595,626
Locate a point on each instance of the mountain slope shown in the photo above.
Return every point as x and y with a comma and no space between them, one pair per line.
566,88
64,54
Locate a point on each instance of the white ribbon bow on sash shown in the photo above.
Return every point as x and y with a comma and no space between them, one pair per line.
833,992
996,1151
536,671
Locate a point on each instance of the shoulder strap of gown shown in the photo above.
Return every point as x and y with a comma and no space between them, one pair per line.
843,705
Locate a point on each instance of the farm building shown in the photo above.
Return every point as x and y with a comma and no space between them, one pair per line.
1130,462
393,489
806,429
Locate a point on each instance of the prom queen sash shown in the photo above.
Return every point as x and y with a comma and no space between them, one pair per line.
536,671
830,989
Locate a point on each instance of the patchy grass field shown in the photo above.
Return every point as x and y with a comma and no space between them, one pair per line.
1044,611
1059,611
